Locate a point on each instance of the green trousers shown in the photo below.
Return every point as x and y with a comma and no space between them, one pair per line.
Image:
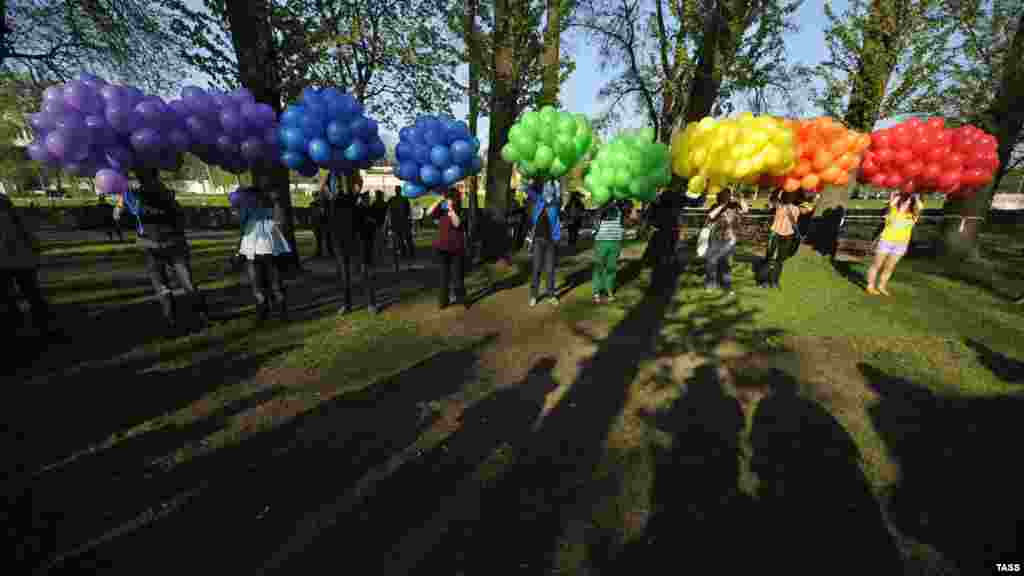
606,256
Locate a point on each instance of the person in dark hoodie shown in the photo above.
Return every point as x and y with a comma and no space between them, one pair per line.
161,233
397,227
345,221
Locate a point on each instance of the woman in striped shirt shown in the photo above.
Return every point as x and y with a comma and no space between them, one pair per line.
607,246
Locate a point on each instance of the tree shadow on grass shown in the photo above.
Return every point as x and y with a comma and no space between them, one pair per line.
89,411
957,492
1008,369
546,485
283,487
436,490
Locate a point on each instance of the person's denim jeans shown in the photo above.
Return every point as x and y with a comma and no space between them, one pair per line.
717,269
545,257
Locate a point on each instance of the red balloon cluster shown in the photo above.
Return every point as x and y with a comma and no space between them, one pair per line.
919,155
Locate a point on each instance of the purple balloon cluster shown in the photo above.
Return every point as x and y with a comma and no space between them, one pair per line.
228,129
89,127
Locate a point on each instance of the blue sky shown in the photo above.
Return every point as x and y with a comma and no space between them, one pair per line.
579,94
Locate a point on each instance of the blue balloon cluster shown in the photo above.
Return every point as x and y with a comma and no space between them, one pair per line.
328,129
435,152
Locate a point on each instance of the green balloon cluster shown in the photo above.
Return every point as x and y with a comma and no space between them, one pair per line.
632,165
547,144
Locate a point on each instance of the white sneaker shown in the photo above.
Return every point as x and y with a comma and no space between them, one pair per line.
533,302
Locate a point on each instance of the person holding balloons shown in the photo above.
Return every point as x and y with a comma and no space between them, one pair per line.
263,244
904,212
723,219
784,240
161,233
607,247
343,220
545,197
451,246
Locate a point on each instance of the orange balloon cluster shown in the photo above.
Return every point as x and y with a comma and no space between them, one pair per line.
827,152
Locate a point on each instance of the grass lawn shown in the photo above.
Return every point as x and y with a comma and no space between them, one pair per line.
598,435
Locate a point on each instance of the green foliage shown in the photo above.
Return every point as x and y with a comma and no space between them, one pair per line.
394,56
653,45
913,36
124,40
986,30
528,47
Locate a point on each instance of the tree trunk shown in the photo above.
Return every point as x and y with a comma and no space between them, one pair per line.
707,78
1006,119
253,40
503,113
552,37
877,60
473,50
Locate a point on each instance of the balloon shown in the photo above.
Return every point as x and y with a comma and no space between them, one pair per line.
243,96
41,123
912,169
377,149
178,141
432,138
543,158
293,159
292,116
410,190
111,182
120,158
53,94
475,165
440,157
252,150
82,97
430,176
893,180
227,146
356,151
421,153
948,180
319,151
461,152
452,174
37,151
61,144
312,127
338,134
292,138
100,133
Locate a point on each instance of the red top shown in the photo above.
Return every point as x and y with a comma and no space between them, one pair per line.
449,239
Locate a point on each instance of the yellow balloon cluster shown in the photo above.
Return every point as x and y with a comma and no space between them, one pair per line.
715,153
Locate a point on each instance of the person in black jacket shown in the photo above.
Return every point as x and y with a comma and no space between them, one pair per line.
399,227
345,219
161,233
